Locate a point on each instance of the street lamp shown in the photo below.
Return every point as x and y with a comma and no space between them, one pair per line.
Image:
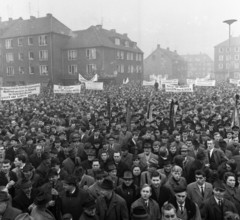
229,22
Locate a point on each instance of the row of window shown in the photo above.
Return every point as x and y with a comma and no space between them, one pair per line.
43,70
125,43
222,49
227,66
228,57
42,55
129,56
91,54
42,41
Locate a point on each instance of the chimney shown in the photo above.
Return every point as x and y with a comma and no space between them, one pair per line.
113,30
99,27
125,35
49,15
158,46
32,17
10,19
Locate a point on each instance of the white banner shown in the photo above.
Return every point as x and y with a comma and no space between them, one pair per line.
205,83
234,81
148,83
175,88
94,85
81,79
191,81
169,81
19,92
66,89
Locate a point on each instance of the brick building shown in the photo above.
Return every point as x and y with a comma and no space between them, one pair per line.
198,65
43,49
227,60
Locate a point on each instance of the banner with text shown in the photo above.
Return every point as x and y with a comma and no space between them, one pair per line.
234,81
148,83
169,81
205,83
175,88
57,89
191,81
94,85
82,79
19,92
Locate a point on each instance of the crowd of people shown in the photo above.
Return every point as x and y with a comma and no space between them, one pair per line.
121,154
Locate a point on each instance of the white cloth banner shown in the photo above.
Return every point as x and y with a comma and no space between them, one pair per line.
234,81
175,88
19,92
191,81
148,83
94,85
81,79
169,81
205,83
66,89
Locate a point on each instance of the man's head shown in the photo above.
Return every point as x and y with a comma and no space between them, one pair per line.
20,160
200,177
117,157
156,179
4,198
169,212
218,190
6,166
184,150
107,188
180,194
147,146
69,183
176,172
128,178
26,187
146,192
95,164
210,144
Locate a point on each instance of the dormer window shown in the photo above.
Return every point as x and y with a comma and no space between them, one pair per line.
126,43
117,41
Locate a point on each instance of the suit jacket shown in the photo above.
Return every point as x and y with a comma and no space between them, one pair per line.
195,195
21,201
212,211
233,195
39,214
146,178
135,147
152,210
219,157
11,213
143,160
69,165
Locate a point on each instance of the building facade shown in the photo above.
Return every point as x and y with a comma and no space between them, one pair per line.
198,65
166,63
43,50
227,60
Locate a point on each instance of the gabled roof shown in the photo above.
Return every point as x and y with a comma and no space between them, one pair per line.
96,36
5,25
234,41
35,26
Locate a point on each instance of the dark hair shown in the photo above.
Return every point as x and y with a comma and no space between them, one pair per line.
168,207
6,161
21,157
200,172
155,174
226,175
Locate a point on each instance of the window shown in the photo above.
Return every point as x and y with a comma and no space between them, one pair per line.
220,58
30,41
31,70
128,56
91,68
122,55
236,65
72,69
140,69
236,57
9,57
9,43
120,68
227,57
21,70
220,50
43,55
117,41
20,42
91,53
237,49
130,69
72,54
43,70
131,56
20,56
42,40
30,55
10,71
126,43
227,49
118,54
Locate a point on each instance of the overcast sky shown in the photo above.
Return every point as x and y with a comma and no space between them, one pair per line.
188,26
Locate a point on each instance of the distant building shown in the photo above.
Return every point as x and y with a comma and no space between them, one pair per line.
165,62
227,61
43,50
111,55
198,65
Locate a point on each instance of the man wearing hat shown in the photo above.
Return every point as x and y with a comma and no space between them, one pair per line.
128,190
186,208
89,210
6,210
147,154
111,206
127,157
216,206
139,213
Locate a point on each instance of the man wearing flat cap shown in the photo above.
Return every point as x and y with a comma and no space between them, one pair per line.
6,210
111,206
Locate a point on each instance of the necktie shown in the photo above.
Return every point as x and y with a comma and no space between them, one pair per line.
181,209
220,203
202,191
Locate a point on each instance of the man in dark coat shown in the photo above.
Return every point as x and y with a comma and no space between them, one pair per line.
216,206
6,210
111,206
120,165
